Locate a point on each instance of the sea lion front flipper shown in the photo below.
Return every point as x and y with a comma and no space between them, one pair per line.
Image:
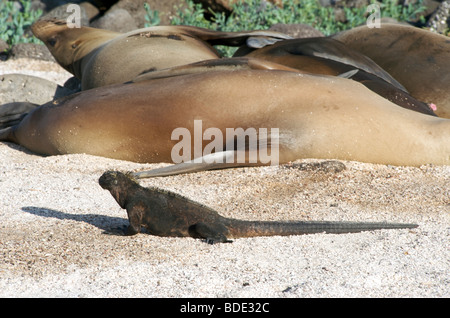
218,160
261,41
234,38
224,64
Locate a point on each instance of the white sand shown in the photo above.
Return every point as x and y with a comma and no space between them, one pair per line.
53,215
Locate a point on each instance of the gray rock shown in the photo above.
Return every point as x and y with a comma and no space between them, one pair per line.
118,20
32,89
31,50
440,19
136,9
63,12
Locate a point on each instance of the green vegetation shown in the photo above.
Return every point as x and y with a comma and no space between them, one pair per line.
14,21
258,15
151,16
246,15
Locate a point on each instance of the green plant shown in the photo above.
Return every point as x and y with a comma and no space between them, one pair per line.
258,15
193,15
14,22
151,16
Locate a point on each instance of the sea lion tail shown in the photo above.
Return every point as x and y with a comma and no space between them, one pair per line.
12,113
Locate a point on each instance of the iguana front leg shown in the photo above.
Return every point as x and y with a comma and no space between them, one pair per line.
135,213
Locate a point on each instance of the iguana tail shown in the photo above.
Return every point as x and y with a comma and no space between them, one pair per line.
249,228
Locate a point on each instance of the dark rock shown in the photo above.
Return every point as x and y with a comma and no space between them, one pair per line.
4,50
74,84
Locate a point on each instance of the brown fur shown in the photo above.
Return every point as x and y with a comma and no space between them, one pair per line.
330,57
417,58
317,117
101,57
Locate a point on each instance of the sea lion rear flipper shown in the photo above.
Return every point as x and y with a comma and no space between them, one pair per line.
12,113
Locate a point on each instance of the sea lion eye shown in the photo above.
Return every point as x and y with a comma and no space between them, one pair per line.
52,41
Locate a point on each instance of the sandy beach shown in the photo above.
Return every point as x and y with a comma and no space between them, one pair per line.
57,235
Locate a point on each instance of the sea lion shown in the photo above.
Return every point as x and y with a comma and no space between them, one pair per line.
320,56
331,57
417,58
100,57
168,214
316,116
379,86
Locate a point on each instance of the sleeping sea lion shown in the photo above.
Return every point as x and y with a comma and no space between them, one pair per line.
316,117
320,56
417,58
331,57
100,57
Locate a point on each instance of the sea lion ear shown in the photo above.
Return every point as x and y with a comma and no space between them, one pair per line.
76,44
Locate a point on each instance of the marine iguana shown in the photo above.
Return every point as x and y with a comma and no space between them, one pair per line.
165,213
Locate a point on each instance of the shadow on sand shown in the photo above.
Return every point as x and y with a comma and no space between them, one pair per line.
110,225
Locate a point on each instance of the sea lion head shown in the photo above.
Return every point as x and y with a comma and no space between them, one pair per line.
69,45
